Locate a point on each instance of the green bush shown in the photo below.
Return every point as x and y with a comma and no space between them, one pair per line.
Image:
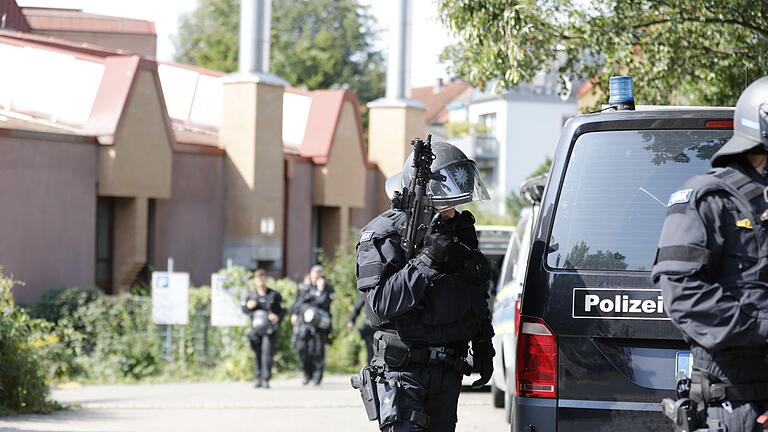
86,335
63,302
23,385
346,351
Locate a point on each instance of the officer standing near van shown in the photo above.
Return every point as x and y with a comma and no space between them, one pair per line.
265,307
712,268
366,330
427,309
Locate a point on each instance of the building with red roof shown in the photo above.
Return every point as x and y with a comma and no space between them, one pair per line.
113,162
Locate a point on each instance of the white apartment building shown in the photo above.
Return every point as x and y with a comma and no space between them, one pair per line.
510,134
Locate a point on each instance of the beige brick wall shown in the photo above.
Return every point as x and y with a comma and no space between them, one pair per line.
251,134
140,161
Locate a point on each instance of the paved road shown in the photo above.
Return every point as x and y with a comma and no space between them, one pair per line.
225,407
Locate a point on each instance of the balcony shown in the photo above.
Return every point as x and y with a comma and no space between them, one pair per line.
486,147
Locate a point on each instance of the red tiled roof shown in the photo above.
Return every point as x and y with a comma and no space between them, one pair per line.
14,18
585,88
437,102
79,21
322,122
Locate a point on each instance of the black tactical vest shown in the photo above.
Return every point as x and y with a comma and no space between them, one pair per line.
747,259
451,311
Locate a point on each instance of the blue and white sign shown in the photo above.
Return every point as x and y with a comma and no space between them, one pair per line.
170,298
226,308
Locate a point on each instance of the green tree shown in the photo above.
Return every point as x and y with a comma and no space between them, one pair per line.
685,51
316,44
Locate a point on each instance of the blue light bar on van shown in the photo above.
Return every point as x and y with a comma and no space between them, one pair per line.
621,95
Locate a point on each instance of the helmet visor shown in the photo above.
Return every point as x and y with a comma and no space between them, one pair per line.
462,184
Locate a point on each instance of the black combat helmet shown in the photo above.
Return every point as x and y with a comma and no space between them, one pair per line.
462,182
261,324
750,123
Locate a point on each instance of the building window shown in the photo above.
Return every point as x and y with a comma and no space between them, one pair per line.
487,148
105,222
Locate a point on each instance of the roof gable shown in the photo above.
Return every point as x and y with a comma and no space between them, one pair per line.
79,86
13,16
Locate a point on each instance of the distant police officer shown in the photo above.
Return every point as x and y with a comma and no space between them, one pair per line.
265,306
366,330
311,318
427,309
712,268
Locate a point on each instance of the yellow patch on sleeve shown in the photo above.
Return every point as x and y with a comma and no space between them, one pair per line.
744,223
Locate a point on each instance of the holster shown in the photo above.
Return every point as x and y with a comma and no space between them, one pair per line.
685,413
365,382
710,390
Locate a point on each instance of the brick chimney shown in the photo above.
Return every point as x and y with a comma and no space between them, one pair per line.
251,135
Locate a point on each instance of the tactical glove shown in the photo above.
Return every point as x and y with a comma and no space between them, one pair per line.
437,245
463,224
482,362
473,267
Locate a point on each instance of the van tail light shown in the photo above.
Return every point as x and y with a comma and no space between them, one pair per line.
517,314
536,366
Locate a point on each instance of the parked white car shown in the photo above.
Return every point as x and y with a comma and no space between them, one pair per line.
506,307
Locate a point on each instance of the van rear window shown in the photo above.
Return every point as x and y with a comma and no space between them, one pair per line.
615,193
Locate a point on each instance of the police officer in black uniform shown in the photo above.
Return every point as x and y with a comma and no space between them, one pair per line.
265,307
712,268
427,309
311,318
366,330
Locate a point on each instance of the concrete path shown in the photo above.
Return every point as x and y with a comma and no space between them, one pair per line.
286,407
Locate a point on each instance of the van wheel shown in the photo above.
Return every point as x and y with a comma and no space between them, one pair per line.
498,396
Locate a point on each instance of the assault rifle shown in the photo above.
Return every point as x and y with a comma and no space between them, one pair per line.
413,199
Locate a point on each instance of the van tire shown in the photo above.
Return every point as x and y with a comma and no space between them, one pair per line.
498,396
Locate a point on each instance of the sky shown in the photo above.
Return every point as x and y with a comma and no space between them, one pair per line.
428,38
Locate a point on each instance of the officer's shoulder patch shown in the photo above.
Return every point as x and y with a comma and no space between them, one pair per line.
680,197
366,236
744,223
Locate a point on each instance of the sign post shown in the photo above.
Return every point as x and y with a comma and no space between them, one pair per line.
170,299
226,299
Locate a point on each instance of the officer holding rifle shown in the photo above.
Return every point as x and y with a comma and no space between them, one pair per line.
712,268
424,285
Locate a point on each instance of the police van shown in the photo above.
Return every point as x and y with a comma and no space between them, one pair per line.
595,348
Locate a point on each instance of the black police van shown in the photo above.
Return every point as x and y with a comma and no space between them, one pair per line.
595,349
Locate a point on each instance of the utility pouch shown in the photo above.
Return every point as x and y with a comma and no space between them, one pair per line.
389,402
365,382
395,352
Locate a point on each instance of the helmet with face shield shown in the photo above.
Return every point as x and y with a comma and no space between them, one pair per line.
461,182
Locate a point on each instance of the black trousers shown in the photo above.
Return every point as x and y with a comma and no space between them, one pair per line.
263,349
735,366
432,390
310,347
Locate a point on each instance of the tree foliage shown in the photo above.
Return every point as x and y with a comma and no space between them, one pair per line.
684,51
316,44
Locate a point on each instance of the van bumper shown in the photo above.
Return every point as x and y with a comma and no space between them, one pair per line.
565,415
534,414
